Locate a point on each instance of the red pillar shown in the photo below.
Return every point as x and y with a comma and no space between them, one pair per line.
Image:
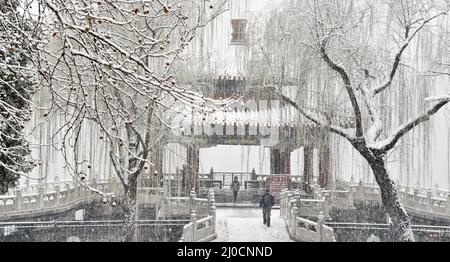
308,168
280,161
324,165
193,163
275,161
286,161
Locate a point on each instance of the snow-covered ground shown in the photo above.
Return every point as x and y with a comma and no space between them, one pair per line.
246,225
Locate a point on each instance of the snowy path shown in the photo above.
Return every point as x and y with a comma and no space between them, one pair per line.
245,225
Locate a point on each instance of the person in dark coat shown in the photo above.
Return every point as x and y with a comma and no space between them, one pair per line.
266,203
235,186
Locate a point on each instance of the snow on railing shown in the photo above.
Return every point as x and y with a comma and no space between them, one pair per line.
50,199
202,227
433,202
426,201
301,229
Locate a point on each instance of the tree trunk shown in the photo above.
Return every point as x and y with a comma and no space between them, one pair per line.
391,200
130,210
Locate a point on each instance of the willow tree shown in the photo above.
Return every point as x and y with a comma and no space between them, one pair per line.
340,35
109,62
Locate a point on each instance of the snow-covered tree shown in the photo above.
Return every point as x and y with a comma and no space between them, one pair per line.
337,39
16,90
109,62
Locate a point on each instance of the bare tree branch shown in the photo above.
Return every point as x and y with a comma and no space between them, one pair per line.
398,56
335,129
389,143
348,86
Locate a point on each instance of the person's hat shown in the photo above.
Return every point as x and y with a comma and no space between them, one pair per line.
235,178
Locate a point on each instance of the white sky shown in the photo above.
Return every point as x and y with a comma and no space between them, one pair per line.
266,4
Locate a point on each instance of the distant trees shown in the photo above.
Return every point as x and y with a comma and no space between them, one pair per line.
340,34
16,89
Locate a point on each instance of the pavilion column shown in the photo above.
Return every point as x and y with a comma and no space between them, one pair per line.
192,167
275,161
308,168
286,161
280,161
324,166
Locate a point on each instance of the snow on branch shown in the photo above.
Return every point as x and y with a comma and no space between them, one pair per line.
398,56
392,140
111,66
438,98
316,120
348,86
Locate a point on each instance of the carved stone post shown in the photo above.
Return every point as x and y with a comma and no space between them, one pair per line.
67,195
350,197
19,200
213,213
162,202
57,194
447,204
41,196
416,195
321,224
429,199
293,220
327,204
360,190
191,200
194,225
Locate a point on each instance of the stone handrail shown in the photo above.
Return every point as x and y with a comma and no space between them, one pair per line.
202,227
60,196
426,201
185,205
64,195
301,229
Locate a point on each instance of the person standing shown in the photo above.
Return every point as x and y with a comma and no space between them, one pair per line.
266,203
235,186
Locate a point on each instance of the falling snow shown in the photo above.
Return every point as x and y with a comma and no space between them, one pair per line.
129,120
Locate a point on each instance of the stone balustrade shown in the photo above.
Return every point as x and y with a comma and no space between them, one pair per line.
65,195
62,195
301,229
202,227
425,201
59,196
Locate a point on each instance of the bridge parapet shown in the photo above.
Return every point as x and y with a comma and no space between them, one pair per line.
301,229
202,227
425,201
48,199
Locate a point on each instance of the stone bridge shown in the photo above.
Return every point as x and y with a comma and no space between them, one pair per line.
309,219
302,216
